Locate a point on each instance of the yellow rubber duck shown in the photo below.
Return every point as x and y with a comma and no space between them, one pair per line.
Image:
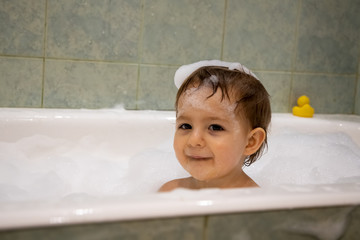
303,109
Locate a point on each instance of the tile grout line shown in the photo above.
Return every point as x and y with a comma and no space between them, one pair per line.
355,74
44,56
205,228
140,49
293,62
357,85
224,30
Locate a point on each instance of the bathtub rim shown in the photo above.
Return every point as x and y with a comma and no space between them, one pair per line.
199,203
179,203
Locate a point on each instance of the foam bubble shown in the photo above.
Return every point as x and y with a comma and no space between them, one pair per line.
150,169
214,79
185,71
296,158
39,167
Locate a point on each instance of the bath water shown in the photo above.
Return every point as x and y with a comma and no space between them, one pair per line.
39,167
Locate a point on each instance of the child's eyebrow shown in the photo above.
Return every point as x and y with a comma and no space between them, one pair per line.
184,117
181,117
218,119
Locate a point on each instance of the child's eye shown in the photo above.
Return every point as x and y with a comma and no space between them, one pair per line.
215,127
185,126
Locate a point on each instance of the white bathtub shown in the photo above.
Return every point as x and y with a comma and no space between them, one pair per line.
124,136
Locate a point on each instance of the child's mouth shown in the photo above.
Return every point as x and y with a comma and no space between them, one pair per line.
199,158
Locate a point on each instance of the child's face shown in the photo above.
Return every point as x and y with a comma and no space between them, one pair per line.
210,139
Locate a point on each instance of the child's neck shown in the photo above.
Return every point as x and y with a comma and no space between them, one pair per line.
236,180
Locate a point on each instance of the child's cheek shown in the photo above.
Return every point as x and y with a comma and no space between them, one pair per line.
179,147
227,154
176,146
223,151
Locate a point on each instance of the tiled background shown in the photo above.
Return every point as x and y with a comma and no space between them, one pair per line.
98,54
296,224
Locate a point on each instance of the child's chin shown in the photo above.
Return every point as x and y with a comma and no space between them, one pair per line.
199,173
202,178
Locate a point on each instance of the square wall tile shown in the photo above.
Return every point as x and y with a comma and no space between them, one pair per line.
298,224
260,33
329,36
157,90
327,93
352,230
182,31
189,228
22,27
101,30
20,82
278,86
357,98
74,84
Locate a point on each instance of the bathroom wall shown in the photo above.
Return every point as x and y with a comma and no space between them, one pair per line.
100,54
341,222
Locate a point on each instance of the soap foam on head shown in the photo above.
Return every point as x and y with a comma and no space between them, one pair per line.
185,71
213,79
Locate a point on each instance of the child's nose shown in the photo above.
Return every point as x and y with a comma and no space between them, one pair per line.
196,139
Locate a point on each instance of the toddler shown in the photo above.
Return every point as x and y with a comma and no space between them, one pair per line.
222,116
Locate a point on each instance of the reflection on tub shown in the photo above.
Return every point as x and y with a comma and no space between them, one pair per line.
80,159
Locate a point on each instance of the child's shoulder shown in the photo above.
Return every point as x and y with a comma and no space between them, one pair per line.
176,183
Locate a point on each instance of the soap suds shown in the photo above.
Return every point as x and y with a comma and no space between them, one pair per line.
185,71
40,167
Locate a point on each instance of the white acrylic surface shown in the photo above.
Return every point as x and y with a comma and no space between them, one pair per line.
127,133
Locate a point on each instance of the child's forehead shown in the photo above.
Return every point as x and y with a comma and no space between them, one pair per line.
203,97
204,93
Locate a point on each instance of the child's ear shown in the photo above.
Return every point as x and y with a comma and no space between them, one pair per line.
255,138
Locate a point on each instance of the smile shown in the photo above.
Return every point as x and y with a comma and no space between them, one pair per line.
199,158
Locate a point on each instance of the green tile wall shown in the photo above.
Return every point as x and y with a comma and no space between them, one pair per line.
295,224
299,224
261,34
21,82
99,54
89,84
189,228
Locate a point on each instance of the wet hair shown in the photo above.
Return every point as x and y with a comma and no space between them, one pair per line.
250,96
